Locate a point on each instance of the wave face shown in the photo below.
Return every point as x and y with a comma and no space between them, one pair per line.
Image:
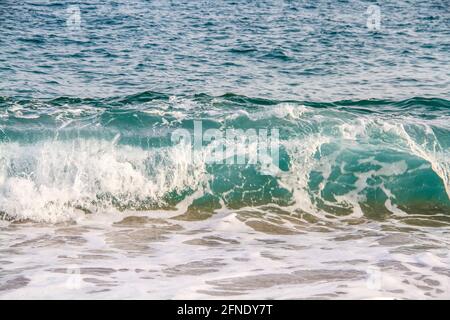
69,156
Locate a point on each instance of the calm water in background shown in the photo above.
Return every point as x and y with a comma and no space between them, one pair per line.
303,50
98,203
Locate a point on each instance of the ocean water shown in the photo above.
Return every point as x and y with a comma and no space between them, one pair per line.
99,200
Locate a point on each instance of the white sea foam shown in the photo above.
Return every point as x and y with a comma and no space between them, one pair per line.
50,180
56,180
221,257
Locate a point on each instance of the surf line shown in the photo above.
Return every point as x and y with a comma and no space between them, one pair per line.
201,311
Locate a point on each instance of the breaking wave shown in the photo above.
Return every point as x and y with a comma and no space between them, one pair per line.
66,157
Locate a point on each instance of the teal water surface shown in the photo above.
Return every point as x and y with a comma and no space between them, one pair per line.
87,111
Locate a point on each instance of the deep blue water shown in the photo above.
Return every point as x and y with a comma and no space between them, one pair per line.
303,50
90,92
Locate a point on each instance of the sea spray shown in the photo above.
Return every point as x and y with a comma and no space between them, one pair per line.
328,160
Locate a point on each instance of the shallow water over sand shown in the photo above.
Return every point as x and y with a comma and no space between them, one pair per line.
229,255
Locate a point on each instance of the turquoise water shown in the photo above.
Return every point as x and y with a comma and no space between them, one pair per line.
351,158
88,107
114,116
